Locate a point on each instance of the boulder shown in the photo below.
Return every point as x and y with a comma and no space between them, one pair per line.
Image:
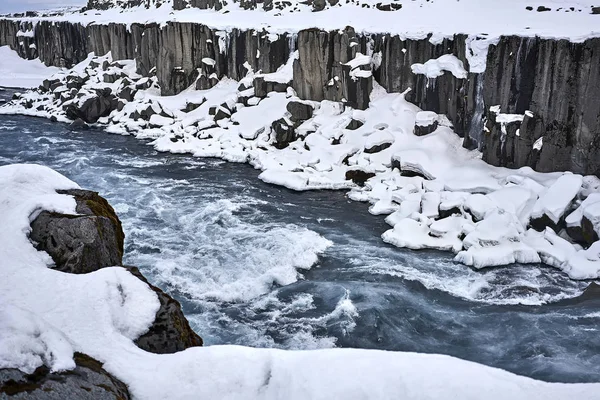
377,148
81,243
354,124
299,111
93,108
171,331
262,87
426,123
127,93
285,133
87,381
358,176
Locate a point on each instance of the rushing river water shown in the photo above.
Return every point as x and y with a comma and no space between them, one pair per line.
236,252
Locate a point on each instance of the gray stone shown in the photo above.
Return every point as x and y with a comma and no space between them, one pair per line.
87,381
81,243
300,111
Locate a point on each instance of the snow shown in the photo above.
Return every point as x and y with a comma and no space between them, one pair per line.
46,315
16,72
436,67
556,200
484,20
426,118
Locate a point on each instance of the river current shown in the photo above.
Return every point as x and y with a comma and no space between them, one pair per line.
259,265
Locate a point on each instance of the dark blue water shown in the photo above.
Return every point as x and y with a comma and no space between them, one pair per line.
235,252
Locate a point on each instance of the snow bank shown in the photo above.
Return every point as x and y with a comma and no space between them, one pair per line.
16,72
101,313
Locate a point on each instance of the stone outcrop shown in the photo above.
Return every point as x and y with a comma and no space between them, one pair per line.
82,243
88,381
556,80
93,240
559,83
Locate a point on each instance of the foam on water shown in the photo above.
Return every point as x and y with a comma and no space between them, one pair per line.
199,261
519,284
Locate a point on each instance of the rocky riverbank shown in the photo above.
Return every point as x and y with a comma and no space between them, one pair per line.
82,243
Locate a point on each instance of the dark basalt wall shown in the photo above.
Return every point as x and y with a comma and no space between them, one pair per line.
557,80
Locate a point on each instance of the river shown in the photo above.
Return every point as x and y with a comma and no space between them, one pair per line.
241,257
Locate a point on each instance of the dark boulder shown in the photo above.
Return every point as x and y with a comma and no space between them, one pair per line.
93,108
127,93
171,331
87,381
358,176
262,87
377,148
300,111
81,243
354,124
422,130
285,133
75,82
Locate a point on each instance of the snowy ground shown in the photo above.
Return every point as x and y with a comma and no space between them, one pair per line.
46,315
572,19
16,72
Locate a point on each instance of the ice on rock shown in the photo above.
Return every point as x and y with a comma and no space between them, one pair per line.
516,200
426,118
436,67
478,205
415,235
552,249
584,264
557,199
430,204
575,218
496,240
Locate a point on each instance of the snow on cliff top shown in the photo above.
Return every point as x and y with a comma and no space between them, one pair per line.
572,20
46,315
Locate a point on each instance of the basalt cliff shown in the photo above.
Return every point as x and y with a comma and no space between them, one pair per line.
523,101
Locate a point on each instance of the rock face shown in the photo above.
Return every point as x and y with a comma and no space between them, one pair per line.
93,240
88,381
559,82
83,243
556,80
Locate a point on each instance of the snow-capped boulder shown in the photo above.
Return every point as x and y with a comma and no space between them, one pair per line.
92,107
300,111
425,123
84,243
92,240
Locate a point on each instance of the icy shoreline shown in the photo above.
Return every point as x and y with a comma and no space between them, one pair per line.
436,194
